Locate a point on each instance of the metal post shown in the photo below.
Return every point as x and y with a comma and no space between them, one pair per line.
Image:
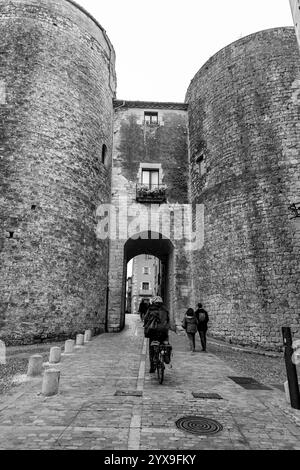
291,369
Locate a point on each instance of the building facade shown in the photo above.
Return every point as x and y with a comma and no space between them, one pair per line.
150,193
145,279
210,187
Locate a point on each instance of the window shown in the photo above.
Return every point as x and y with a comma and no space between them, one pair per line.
104,154
150,177
200,161
145,285
146,270
150,118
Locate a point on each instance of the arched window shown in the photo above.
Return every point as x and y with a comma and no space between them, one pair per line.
104,154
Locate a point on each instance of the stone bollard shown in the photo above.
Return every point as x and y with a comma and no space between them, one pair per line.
35,365
50,382
287,392
79,340
55,355
87,336
69,346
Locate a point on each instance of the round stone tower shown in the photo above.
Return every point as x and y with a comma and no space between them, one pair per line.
57,81
244,109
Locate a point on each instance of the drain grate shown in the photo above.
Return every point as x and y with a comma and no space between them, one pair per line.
198,425
249,383
207,396
129,393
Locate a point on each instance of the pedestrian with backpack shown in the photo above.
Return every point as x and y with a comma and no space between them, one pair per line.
190,324
202,317
156,327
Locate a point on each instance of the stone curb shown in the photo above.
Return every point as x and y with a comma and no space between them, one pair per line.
245,350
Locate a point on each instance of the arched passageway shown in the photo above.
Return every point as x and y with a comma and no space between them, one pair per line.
143,243
155,245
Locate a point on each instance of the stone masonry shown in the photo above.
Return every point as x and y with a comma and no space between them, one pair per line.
161,146
244,143
74,211
58,67
295,7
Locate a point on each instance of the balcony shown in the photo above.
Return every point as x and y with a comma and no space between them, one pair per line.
156,193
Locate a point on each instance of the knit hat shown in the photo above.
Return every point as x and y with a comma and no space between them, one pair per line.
157,300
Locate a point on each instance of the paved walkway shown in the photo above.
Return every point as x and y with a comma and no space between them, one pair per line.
88,414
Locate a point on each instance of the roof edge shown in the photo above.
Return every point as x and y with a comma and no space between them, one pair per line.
89,15
150,105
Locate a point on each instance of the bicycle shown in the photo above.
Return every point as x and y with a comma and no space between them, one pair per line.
161,355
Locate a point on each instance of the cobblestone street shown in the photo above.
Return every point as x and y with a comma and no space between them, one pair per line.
108,400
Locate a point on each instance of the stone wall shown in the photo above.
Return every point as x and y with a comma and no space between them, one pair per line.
244,129
165,146
57,65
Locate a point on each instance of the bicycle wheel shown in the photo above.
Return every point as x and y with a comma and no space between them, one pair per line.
160,371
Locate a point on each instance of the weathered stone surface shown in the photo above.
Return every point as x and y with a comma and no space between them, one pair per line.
295,7
244,122
238,155
163,146
58,67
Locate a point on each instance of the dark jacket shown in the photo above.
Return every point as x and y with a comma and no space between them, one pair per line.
160,312
202,325
190,323
143,307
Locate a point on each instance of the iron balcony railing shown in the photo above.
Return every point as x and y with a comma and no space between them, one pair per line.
151,193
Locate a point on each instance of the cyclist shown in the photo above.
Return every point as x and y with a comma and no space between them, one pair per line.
157,320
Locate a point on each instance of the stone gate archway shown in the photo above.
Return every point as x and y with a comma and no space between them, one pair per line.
151,243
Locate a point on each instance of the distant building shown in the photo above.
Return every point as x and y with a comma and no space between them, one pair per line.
295,6
128,295
145,279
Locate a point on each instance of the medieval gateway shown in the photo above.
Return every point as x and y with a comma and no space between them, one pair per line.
88,182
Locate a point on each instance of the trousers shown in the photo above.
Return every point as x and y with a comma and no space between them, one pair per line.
191,338
202,334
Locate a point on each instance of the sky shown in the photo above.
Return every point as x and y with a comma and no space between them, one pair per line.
161,44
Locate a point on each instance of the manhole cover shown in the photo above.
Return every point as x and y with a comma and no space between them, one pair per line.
198,425
249,383
207,396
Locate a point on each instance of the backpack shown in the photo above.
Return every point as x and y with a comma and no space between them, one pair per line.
158,321
191,324
202,316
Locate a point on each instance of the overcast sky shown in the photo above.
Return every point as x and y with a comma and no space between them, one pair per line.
160,44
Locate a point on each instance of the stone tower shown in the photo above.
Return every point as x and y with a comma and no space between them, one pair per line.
57,67
244,146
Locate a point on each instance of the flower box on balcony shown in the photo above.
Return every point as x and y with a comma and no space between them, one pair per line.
153,193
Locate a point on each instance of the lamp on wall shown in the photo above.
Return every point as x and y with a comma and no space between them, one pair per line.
295,209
